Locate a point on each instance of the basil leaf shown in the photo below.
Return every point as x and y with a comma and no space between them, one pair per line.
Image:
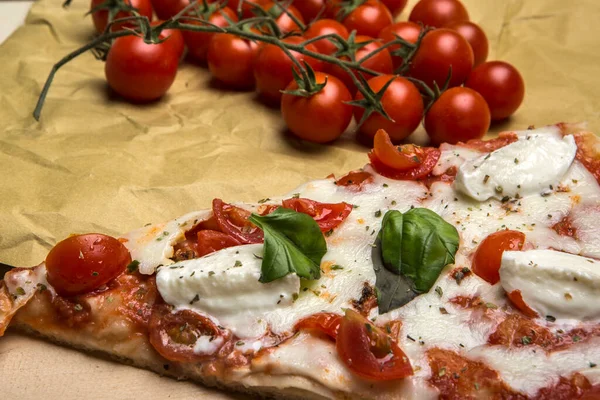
418,245
293,243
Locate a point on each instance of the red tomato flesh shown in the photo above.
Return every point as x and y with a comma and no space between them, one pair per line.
327,215
327,323
487,258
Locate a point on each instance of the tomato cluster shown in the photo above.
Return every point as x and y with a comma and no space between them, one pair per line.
430,69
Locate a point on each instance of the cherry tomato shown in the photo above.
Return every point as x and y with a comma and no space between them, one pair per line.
281,13
248,6
380,62
138,71
428,156
487,258
174,335
233,221
408,31
166,9
516,298
368,351
326,215
100,17
327,109
355,180
460,114
400,158
403,103
395,6
82,263
310,9
369,18
327,323
501,85
273,68
210,241
173,37
230,60
441,50
198,42
476,38
326,27
437,13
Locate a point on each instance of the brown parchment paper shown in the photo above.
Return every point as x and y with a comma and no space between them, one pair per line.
96,163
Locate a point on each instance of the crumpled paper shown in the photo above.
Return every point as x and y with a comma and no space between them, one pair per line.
95,163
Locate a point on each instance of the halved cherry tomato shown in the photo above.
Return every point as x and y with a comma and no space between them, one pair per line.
82,263
326,27
516,298
355,179
233,221
369,18
400,158
100,17
210,241
174,335
198,42
429,158
487,258
438,13
325,322
368,351
326,215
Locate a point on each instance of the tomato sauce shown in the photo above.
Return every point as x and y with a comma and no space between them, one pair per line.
355,180
586,153
448,176
565,228
487,146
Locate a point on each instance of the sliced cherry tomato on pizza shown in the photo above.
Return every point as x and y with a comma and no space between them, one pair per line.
174,335
368,351
327,323
428,157
355,179
82,263
233,221
487,258
400,158
326,215
516,298
210,241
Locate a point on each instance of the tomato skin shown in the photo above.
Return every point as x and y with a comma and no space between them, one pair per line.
399,158
326,27
364,350
82,263
273,69
437,13
403,103
233,221
327,109
211,241
476,38
395,6
327,215
310,9
166,9
230,60
380,62
440,50
283,21
173,37
408,31
488,256
516,298
138,71
369,18
100,17
501,85
327,323
354,180
198,42
460,114
429,159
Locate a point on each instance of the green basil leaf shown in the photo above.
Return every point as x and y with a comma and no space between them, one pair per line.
293,243
418,245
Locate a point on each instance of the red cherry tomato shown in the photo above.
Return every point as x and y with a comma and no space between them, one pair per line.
248,6
173,37
441,50
487,258
368,351
100,17
273,68
166,9
210,241
198,42
234,222
428,156
437,13
460,114
403,103
326,27
501,85
230,60
408,31
327,109
281,13
327,216
355,180
310,9
82,263
476,38
380,62
327,323
400,158
138,71
516,298
395,6
174,335
369,18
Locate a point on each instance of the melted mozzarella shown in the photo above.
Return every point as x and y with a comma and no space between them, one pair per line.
554,283
529,165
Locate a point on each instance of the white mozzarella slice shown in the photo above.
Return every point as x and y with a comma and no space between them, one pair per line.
554,283
528,166
453,156
585,220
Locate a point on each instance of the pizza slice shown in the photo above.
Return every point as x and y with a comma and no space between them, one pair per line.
464,271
